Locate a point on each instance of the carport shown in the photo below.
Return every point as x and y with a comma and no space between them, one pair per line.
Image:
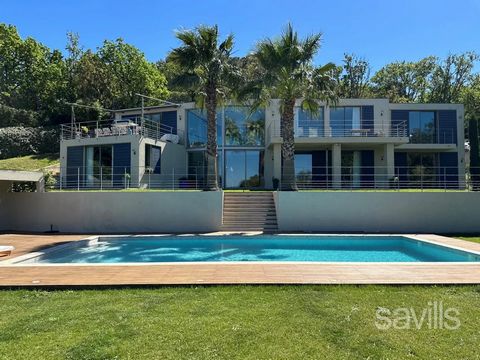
8,177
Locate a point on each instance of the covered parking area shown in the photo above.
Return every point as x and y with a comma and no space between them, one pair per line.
10,177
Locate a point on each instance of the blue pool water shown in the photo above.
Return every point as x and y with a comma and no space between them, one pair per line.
253,248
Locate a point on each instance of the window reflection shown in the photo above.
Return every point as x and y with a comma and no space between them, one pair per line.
242,127
421,126
308,124
98,164
421,169
244,169
303,168
343,119
197,128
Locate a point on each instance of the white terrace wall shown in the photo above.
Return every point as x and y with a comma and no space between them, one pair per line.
112,212
384,212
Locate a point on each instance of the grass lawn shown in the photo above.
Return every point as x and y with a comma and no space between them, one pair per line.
30,162
236,322
469,238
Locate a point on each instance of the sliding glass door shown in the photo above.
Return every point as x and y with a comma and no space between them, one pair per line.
98,165
344,119
243,169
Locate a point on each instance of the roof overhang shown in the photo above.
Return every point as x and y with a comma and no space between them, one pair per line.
21,176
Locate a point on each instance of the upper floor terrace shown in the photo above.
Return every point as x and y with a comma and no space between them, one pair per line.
119,127
353,121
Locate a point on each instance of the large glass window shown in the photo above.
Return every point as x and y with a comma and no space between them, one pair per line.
303,168
421,126
153,158
244,128
351,168
421,169
308,124
343,119
197,128
243,169
98,164
197,166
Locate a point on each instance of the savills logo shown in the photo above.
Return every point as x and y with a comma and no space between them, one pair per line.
434,316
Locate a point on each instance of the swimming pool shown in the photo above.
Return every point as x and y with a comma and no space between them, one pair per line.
269,248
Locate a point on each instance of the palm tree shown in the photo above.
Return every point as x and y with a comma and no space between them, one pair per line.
288,74
206,65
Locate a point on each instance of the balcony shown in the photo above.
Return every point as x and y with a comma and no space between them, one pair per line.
131,127
336,131
441,137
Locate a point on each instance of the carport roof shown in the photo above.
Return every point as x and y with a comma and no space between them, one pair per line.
20,176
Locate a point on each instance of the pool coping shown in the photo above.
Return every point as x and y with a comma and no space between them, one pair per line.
258,272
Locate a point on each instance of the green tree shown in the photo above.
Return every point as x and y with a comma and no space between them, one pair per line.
128,72
470,97
180,85
31,76
354,79
451,76
404,81
206,65
287,73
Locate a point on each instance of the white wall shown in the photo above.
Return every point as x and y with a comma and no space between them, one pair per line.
112,212
434,212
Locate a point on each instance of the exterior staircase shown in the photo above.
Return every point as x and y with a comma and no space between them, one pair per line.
249,211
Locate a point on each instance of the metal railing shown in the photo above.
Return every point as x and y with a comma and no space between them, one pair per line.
104,178
442,136
350,178
132,126
419,178
366,128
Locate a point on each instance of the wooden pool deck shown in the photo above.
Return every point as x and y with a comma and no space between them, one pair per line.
227,273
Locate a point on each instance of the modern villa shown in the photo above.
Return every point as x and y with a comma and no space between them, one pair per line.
359,143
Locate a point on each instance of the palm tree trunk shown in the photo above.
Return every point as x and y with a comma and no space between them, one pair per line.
288,147
211,183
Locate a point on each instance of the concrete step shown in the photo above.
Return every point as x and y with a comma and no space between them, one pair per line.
249,212
250,216
247,222
249,205
240,229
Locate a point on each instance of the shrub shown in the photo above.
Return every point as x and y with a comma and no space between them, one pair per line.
21,141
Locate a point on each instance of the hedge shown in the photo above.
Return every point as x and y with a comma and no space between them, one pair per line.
21,141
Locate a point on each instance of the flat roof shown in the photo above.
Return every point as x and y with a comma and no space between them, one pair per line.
21,176
154,107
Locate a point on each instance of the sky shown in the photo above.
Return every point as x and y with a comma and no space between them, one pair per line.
379,31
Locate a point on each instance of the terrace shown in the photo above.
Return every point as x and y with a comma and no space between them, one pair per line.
136,126
335,131
370,131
